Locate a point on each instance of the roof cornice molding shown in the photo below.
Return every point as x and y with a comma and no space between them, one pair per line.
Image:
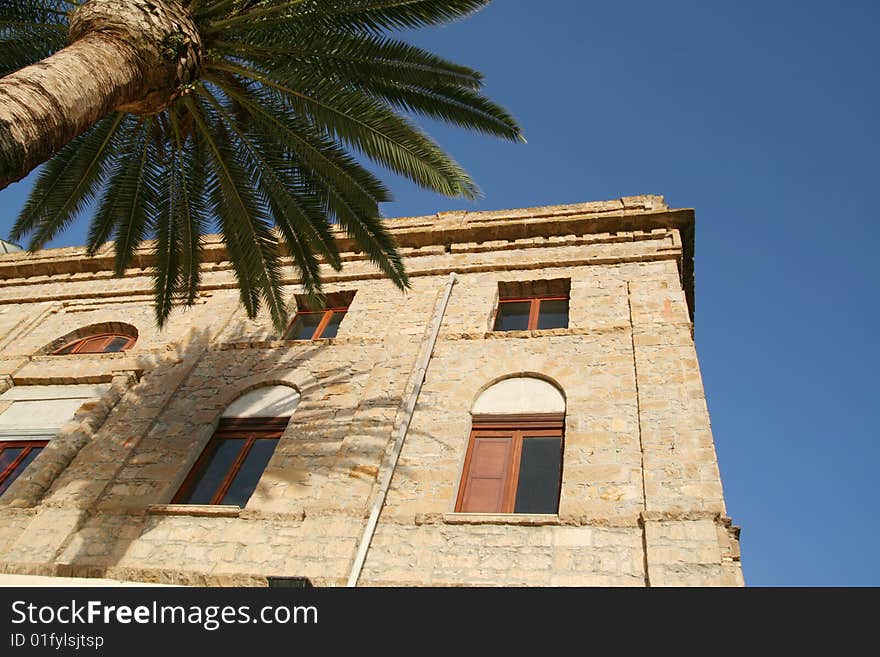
631,213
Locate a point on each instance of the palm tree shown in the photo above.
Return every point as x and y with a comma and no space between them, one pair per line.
173,118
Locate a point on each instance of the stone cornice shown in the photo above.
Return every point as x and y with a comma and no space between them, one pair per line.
633,213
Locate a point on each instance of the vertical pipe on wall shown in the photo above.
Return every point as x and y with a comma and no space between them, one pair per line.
419,377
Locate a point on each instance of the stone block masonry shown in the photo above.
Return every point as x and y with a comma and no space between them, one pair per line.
640,501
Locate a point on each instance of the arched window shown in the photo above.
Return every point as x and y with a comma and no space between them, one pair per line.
230,467
103,338
97,344
514,457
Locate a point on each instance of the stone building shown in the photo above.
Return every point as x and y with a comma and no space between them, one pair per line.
530,413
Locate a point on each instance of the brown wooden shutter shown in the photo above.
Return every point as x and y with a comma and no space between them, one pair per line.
487,475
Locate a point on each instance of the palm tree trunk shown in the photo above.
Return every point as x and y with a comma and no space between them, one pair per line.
131,55
45,105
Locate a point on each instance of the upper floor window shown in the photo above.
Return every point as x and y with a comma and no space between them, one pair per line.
532,305
315,324
232,463
97,344
102,338
15,456
514,457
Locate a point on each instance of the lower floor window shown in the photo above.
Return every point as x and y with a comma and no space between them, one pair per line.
513,465
15,456
231,465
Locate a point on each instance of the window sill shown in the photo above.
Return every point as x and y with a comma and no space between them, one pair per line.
110,355
199,510
276,344
532,333
529,519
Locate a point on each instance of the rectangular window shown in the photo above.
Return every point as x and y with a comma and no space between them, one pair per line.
320,323
512,466
531,314
316,324
15,456
231,465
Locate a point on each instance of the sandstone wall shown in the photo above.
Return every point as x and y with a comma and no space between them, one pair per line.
641,500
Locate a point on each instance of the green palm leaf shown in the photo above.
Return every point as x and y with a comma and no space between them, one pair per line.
370,127
67,183
30,31
268,146
373,15
195,214
135,193
245,221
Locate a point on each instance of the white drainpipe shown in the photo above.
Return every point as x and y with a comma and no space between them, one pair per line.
419,377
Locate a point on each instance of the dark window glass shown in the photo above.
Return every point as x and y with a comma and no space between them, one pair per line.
513,316
116,345
553,314
540,466
332,327
8,457
304,326
231,465
245,482
213,471
67,349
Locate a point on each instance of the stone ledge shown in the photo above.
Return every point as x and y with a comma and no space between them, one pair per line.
529,519
275,344
101,377
220,511
198,510
56,580
677,516
330,276
612,522
538,333
256,514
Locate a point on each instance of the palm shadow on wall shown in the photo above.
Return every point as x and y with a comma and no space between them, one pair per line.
113,477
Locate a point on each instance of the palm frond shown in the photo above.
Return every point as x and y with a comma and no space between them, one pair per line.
168,225
347,57
370,127
322,156
453,105
246,225
193,206
67,183
353,15
35,11
135,193
30,30
268,146
267,167
123,146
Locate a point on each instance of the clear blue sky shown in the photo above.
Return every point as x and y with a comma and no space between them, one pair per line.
764,117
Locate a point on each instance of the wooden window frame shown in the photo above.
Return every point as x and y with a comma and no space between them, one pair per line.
322,325
517,427
28,445
81,342
251,429
534,309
